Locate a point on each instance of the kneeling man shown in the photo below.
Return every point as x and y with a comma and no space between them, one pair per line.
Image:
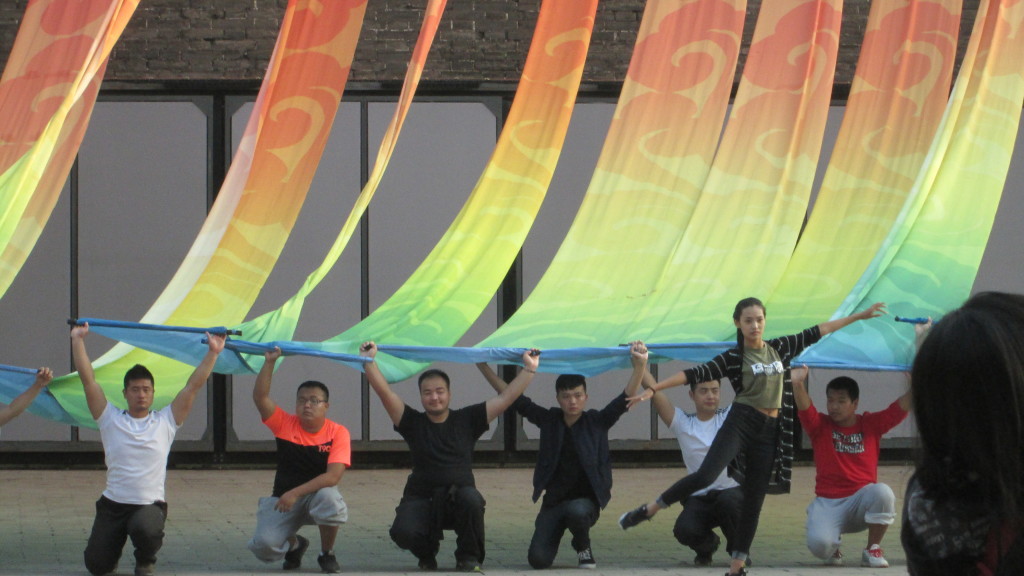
846,446
312,454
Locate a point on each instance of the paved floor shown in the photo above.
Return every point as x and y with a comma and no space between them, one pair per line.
46,516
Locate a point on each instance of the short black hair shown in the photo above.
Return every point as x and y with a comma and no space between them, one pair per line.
435,373
570,381
315,384
693,385
138,372
846,383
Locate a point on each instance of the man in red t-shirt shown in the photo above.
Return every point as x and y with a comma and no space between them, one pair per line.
312,454
846,447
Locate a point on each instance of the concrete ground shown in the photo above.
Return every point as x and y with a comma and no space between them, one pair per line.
46,516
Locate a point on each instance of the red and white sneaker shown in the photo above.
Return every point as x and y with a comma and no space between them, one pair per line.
836,559
873,557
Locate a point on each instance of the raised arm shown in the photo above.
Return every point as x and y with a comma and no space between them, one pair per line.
22,401
261,390
492,377
94,396
666,411
501,402
906,401
800,395
182,403
875,310
638,357
920,331
392,402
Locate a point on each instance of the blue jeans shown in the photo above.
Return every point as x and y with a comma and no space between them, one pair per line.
576,515
745,430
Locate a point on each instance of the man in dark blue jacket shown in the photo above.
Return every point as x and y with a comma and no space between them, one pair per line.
574,468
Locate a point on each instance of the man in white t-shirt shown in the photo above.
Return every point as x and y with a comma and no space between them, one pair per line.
718,505
136,443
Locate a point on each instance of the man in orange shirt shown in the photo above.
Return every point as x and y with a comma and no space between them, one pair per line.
312,454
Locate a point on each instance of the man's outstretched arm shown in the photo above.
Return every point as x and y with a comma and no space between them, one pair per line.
638,357
393,403
799,376
23,400
182,404
501,402
94,396
261,390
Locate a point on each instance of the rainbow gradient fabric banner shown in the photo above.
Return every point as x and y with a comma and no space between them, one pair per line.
449,290
280,324
649,178
930,258
277,327
259,201
745,215
47,94
897,100
704,220
439,301
747,221
680,219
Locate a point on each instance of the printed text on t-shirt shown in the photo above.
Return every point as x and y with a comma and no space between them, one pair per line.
769,368
848,443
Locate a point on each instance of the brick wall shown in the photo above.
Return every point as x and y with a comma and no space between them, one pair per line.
479,40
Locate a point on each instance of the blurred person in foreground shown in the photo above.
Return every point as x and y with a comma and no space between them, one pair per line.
964,505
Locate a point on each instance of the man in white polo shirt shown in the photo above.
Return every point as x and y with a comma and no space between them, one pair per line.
136,443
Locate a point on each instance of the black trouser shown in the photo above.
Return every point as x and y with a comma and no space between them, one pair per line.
576,515
114,524
419,523
702,513
753,433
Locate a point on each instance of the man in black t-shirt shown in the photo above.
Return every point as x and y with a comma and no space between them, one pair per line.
441,493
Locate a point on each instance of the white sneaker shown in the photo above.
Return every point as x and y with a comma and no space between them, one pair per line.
873,557
586,557
836,559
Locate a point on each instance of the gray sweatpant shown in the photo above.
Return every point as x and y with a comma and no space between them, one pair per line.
325,507
829,518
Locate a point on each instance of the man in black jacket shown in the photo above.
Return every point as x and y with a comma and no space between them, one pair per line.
573,463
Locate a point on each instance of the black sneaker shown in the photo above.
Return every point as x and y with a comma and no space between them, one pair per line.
704,557
742,572
293,558
428,564
634,517
468,566
586,557
328,563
